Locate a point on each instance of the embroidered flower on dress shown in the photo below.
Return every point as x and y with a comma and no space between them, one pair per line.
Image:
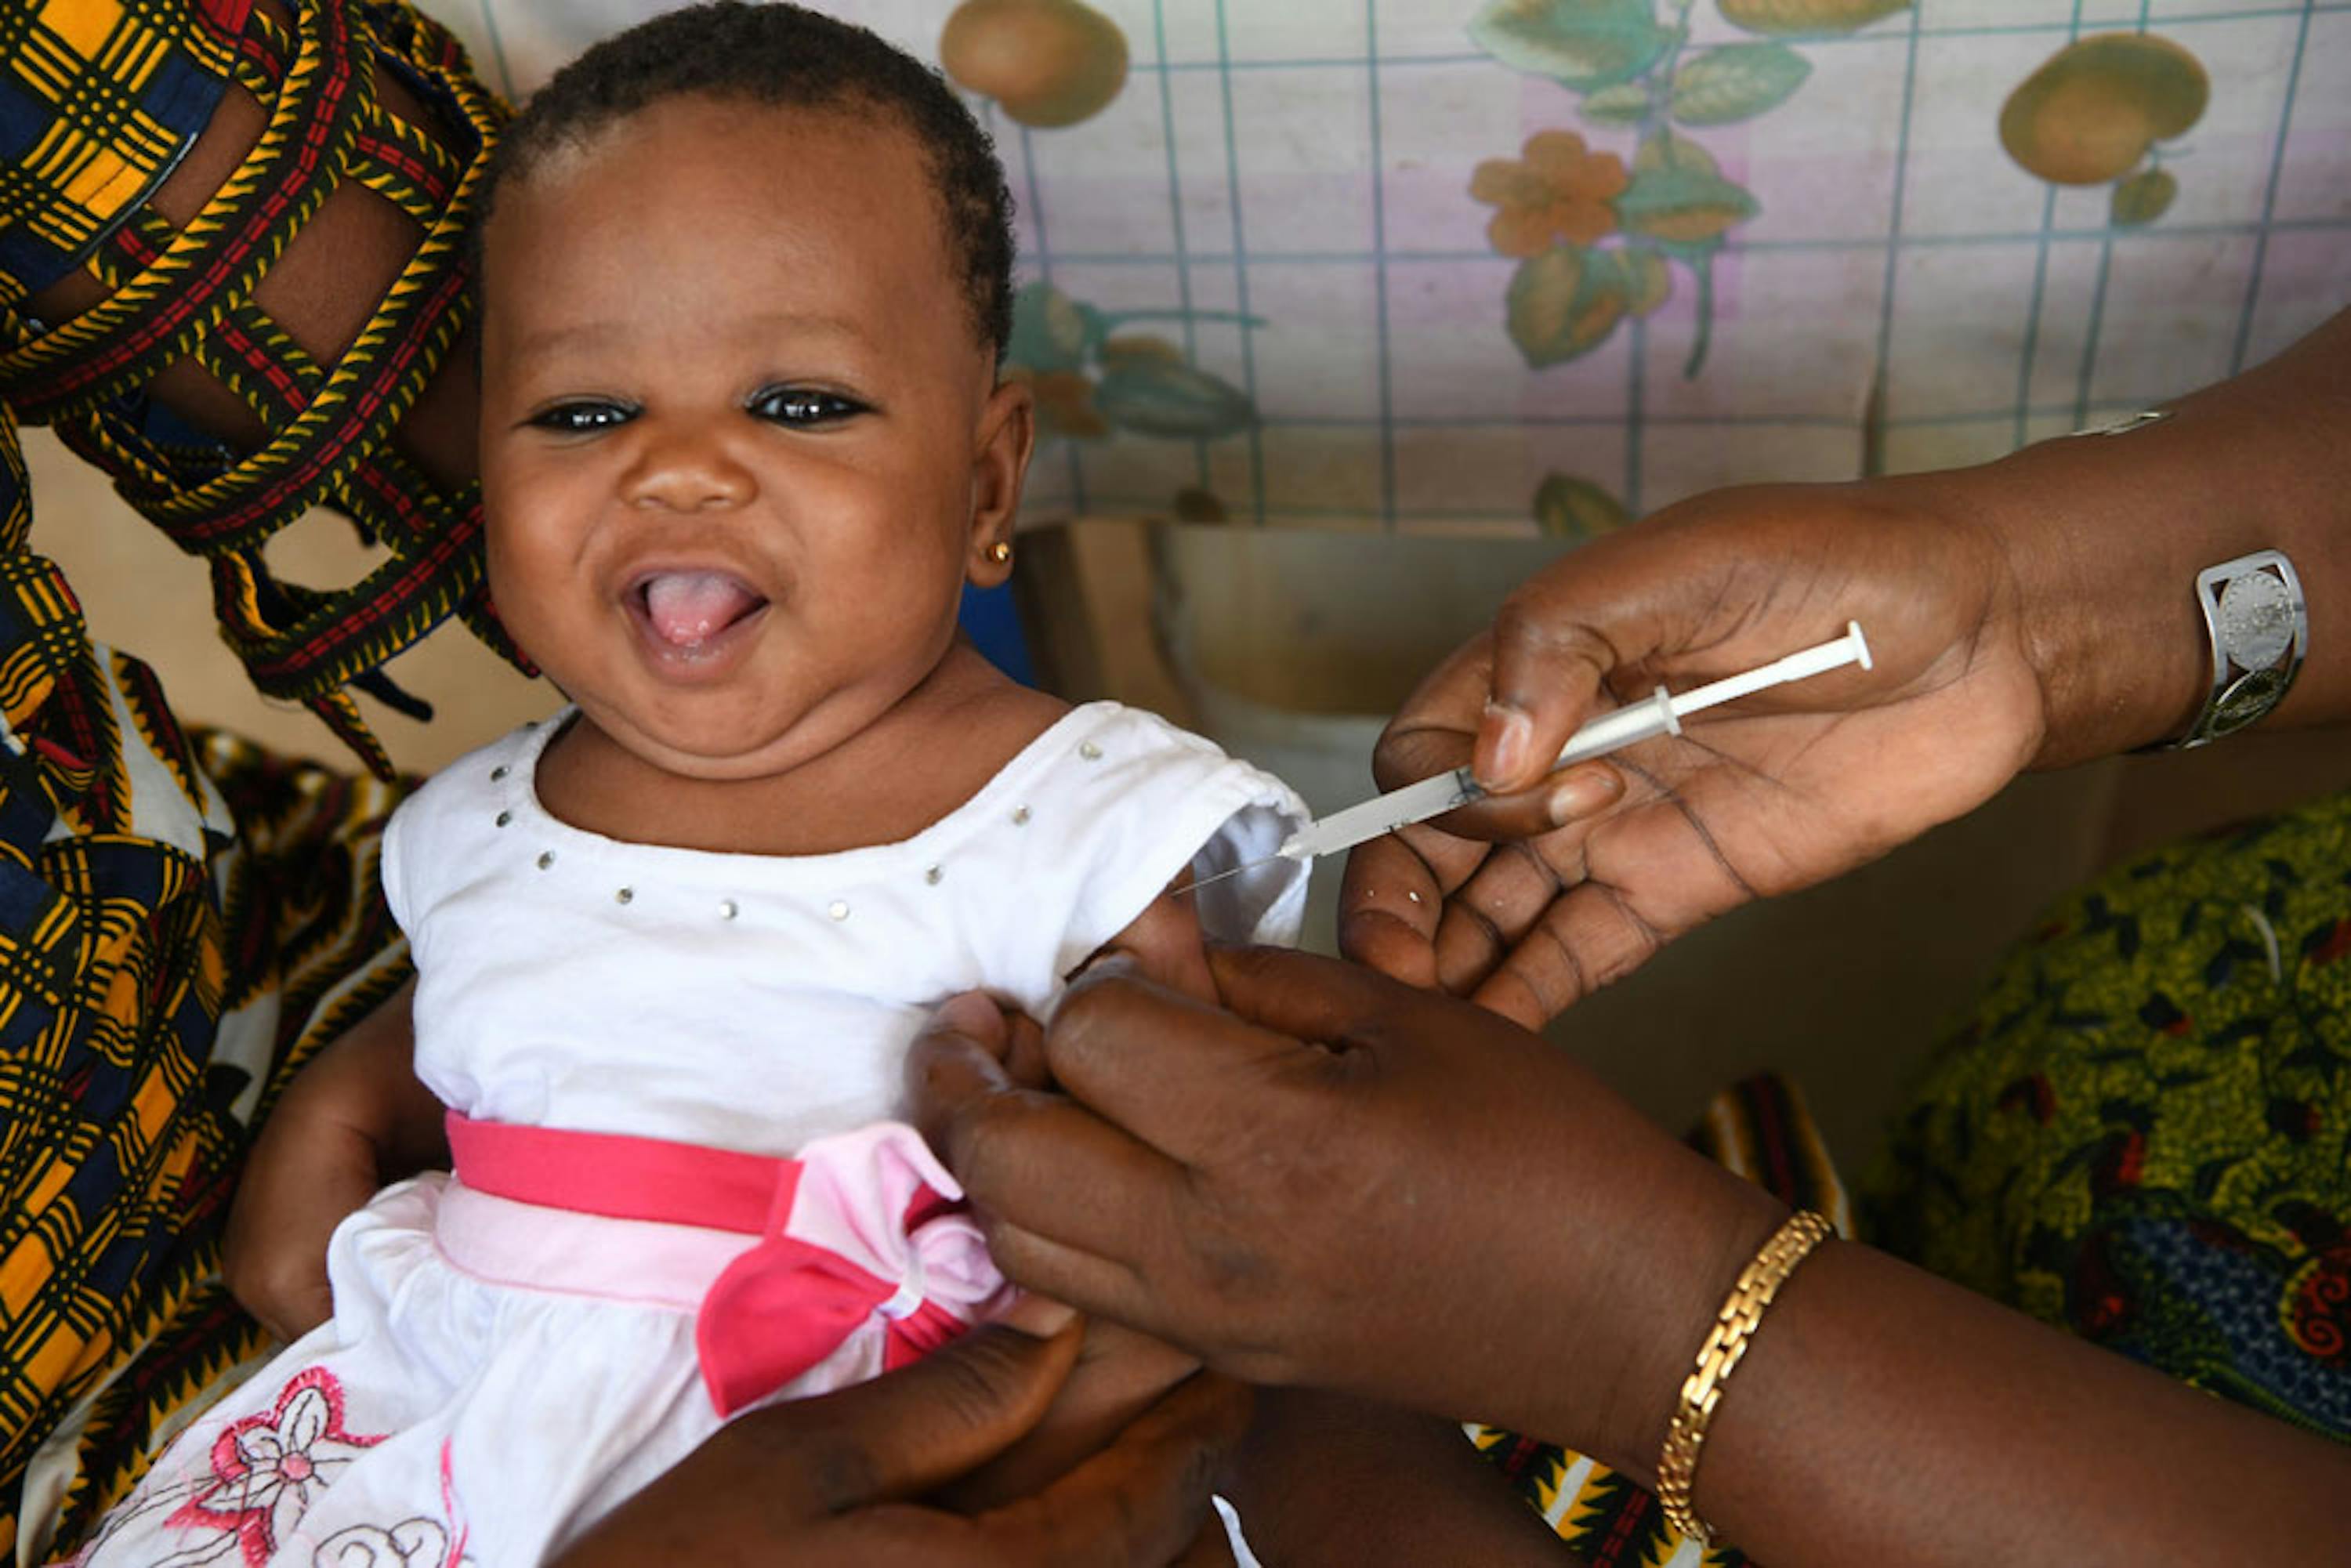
267,1471
1559,192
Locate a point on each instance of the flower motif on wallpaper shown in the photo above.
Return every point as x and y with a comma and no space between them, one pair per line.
1561,203
2097,110
1559,192
1091,380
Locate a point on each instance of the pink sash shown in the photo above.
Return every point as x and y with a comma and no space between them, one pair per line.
863,1229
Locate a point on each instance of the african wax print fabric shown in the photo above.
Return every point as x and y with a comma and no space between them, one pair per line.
184,920
2143,1133
97,104
77,97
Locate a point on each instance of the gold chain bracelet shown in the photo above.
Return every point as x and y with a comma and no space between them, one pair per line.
1726,1343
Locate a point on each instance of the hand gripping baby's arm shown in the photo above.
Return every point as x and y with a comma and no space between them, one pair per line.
1120,1374
1323,1477
352,1121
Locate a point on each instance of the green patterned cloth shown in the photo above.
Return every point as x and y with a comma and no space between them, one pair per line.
2142,1135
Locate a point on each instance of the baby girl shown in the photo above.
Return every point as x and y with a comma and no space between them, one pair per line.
743,442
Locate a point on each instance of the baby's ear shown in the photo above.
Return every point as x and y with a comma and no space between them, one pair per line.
1005,438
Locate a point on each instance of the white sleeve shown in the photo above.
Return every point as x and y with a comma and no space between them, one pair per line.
422,842
394,863
1158,803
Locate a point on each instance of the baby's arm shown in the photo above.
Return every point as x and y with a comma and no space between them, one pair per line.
352,1121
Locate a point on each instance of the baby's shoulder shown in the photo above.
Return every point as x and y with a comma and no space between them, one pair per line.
487,773
1109,773
1089,827
441,829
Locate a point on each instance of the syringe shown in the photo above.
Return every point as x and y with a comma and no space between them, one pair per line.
1655,715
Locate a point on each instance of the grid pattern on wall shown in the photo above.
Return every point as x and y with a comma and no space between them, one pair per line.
1285,185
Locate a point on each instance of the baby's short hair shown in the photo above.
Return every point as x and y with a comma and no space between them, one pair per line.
781,54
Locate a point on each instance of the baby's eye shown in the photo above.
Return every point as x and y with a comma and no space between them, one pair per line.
803,406
581,418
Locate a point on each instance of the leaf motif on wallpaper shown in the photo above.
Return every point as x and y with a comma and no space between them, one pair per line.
1564,303
1784,18
2144,197
1154,397
1679,197
1090,379
1648,281
1737,81
1568,506
1666,149
1049,331
1065,404
1626,103
1139,348
1673,205
1582,44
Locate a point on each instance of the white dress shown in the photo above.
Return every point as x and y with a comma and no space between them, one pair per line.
498,1374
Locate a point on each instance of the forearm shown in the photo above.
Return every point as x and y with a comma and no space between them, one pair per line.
1885,1416
352,1121
2105,536
1882,1415
1326,1478
366,1083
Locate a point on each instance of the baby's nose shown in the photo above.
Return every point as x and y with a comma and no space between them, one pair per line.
688,471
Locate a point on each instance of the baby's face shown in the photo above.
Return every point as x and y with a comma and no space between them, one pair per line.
736,426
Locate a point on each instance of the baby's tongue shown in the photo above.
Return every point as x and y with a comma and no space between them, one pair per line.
687,607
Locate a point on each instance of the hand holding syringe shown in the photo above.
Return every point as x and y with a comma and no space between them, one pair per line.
1658,713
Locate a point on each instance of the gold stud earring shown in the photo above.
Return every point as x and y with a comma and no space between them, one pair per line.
1001,552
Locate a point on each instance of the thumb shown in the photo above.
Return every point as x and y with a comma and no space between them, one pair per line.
1305,996
960,1056
909,1432
974,1015
1548,665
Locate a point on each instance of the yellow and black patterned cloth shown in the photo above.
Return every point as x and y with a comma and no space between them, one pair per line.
92,95
185,920
2143,1136
97,104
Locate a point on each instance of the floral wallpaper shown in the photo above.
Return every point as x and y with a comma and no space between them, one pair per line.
1519,266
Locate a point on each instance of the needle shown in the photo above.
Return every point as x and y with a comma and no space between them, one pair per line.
1655,715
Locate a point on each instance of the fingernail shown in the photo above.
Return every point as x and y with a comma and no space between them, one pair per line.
1513,734
1582,792
1039,1317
